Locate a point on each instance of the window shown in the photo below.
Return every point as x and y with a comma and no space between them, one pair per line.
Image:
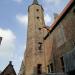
39,69
74,10
0,40
73,43
62,63
60,36
39,28
38,17
37,9
40,46
48,69
51,67
7,74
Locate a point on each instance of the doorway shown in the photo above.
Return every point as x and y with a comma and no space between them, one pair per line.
39,68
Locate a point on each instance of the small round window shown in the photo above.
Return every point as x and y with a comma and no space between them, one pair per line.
37,9
38,17
39,28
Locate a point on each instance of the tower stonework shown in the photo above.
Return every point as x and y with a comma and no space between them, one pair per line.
34,55
50,50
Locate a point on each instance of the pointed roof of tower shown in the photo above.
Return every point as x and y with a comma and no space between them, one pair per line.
35,2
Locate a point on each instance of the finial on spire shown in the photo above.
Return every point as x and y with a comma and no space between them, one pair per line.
10,62
35,2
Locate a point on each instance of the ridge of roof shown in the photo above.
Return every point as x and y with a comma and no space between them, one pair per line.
58,19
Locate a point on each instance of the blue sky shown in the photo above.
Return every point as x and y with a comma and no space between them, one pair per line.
13,27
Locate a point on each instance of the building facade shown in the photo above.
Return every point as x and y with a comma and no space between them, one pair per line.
62,42
48,49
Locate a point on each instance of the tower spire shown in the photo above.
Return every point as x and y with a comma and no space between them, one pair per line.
35,2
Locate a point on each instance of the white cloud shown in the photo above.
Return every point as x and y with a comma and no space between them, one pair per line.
17,59
53,1
47,19
7,45
18,1
23,19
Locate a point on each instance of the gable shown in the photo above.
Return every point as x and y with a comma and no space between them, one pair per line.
9,70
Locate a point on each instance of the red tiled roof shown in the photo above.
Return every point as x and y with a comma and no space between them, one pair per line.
61,14
60,17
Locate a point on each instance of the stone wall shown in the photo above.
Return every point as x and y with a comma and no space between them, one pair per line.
63,37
